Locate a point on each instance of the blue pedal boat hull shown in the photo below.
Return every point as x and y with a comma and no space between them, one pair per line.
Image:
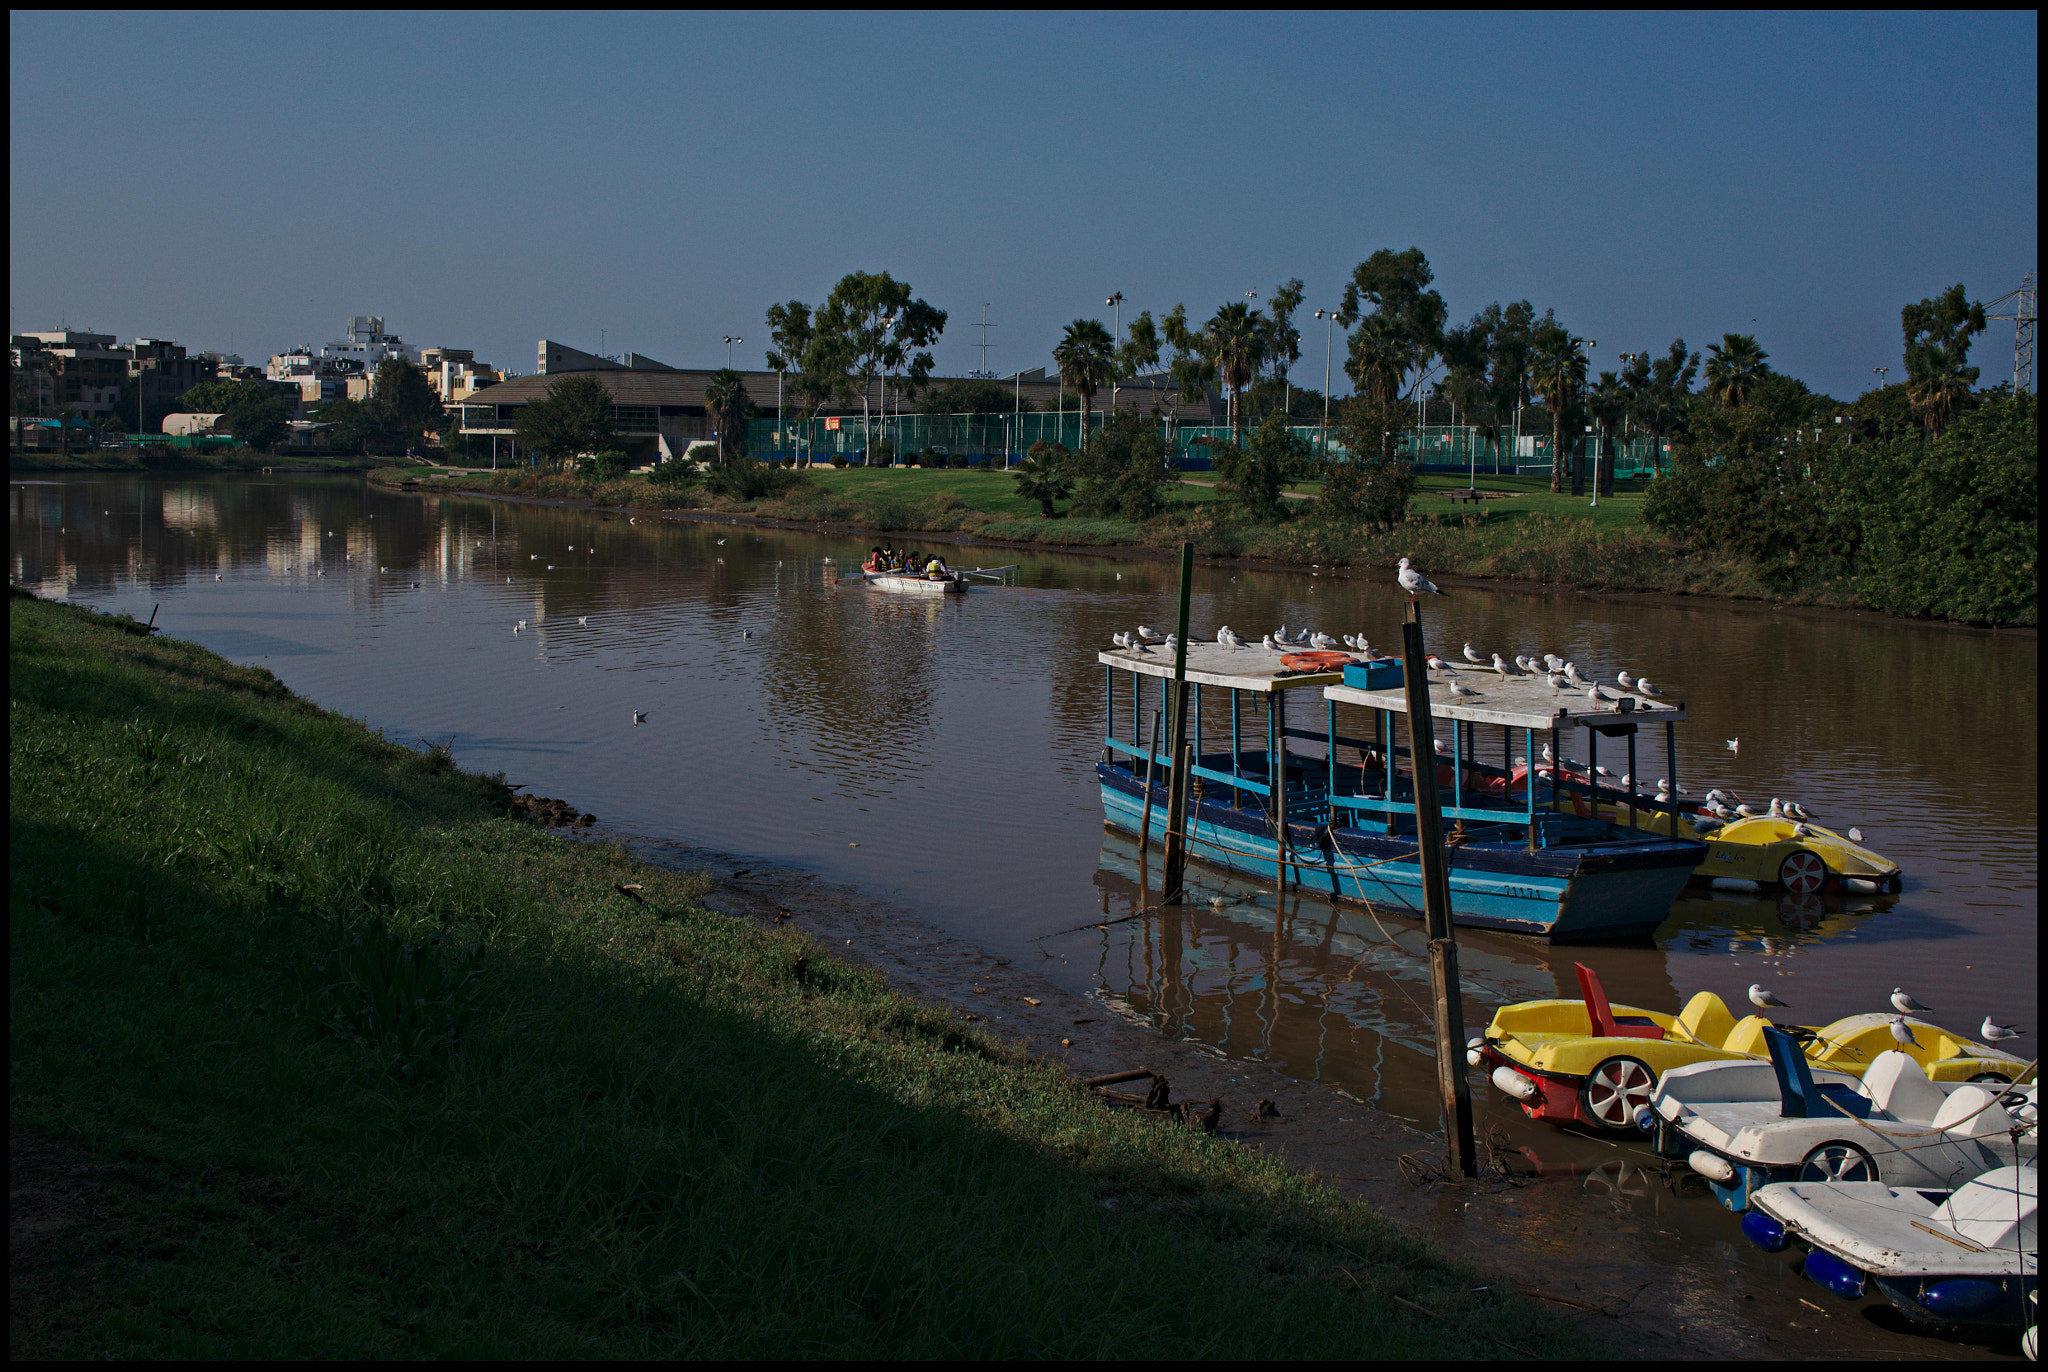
1575,893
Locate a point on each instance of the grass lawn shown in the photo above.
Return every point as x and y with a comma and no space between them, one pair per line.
315,1050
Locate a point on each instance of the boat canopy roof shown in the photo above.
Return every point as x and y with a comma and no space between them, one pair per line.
1520,702
1250,668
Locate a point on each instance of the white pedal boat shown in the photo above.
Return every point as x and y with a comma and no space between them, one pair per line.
1746,1125
1970,1256
904,583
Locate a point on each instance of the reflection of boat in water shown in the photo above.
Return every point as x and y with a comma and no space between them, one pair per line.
1701,911
1346,831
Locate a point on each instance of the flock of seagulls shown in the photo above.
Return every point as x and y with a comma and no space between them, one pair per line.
1991,1031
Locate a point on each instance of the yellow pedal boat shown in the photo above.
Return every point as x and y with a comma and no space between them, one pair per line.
1587,1062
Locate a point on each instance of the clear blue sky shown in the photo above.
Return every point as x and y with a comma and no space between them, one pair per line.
484,180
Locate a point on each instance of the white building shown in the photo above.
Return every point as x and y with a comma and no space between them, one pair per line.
455,373
342,369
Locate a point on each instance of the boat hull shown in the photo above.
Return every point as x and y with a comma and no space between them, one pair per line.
1559,894
916,585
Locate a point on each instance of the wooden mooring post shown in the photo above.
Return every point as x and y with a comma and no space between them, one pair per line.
1449,1005
1177,798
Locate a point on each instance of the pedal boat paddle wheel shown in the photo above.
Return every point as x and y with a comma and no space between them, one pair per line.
1334,813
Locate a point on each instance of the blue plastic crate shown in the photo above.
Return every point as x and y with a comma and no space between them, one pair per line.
1373,676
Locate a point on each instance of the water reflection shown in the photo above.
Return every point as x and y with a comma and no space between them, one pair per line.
953,740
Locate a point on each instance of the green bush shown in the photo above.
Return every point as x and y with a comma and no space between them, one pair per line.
744,479
609,465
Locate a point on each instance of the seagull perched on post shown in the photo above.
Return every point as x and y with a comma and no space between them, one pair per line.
1994,1032
1764,1000
1906,1005
1414,582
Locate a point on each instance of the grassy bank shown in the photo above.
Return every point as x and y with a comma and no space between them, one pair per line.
178,460
316,1050
1520,533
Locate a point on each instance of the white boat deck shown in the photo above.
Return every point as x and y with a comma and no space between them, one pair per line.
1988,1228
1519,702
1251,668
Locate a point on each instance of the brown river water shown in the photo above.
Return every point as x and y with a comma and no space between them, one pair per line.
939,754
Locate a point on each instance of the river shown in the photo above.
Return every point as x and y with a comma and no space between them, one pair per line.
940,753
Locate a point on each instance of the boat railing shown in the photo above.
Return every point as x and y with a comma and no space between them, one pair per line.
1407,807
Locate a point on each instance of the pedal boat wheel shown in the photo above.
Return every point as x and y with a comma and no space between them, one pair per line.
1838,1161
1615,1090
1802,873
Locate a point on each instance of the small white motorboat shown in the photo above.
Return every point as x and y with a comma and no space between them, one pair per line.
1971,1256
907,583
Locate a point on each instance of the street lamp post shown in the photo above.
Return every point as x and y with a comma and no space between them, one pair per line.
1329,318
731,339
1116,303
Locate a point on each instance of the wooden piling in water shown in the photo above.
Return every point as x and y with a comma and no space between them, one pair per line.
1177,798
1449,1006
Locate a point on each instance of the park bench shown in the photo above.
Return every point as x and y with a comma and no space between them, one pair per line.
1457,496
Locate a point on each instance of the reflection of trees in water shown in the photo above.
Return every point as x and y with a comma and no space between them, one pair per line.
848,673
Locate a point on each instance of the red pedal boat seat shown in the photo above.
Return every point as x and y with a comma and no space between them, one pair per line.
1605,1024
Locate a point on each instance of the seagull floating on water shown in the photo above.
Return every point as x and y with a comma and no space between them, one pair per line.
1994,1032
1906,1005
1734,745
639,716
583,619
1764,1000
1414,582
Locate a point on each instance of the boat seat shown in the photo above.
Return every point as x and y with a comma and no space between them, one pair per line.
1799,1095
1965,1114
1605,1023
1706,1018
1901,1089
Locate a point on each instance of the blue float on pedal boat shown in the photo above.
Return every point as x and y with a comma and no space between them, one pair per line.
1345,825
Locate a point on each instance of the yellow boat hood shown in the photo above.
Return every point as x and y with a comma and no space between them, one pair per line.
1842,856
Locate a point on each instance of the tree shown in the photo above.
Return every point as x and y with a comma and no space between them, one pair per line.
1043,475
1938,331
1087,358
789,334
1370,485
871,326
1192,370
218,397
1558,374
575,417
1235,341
1283,340
1734,366
730,407
1138,355
1122,470
1661,392
404,398
350,424
1608,403
1404,329
971,397
1256,476
260,422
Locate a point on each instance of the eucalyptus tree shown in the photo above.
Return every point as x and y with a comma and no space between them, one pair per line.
789,333
1938,332
1283,340
1734,367
1397,323
1138,354
1557,367
1192,370
1087,357
873,325
1661,392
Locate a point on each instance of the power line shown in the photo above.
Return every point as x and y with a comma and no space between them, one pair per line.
2024,310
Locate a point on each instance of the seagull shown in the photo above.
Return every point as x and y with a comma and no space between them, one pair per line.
1145,633
1902,1032
1553,662
583,619
1571,674
1855,834
1502,667
1597,696
1801,831
1268,644
1664,785
218,577
1734,745
1623,680
1172,642
1138,645
1321,641
1227,636
1906,1005
1705,826
1645,688
1120,640
1437,664
1557,683
1602,771
1747,812
1414,582
1764,1000
1626,779
639,716
1459,689
746,633
721,543
1994,1032
1548,756
1474,658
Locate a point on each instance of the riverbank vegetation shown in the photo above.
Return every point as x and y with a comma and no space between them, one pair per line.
318,1050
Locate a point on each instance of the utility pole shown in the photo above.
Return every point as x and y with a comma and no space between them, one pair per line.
1330,318
1454,1091
2022,309
1116,303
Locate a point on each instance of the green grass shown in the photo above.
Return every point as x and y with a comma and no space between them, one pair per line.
323,1054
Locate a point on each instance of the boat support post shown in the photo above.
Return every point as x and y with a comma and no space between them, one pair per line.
1151,770
1456,1092
1177,798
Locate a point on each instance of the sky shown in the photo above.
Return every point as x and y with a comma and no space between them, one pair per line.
655,182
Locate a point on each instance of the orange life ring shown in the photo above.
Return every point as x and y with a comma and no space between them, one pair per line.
1316,661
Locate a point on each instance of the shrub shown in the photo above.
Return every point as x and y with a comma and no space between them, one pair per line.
749,480
609,465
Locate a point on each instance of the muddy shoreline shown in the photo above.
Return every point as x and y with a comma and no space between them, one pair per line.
1145,552
1635,1308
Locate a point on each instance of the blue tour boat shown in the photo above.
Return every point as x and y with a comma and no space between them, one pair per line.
1522,857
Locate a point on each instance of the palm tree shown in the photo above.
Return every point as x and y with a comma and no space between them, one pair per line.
1043,476
1236,339
1557,372
1734,366
1662,398
729,406
1087,358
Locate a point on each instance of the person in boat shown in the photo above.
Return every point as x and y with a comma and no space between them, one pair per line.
877,560
936,568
